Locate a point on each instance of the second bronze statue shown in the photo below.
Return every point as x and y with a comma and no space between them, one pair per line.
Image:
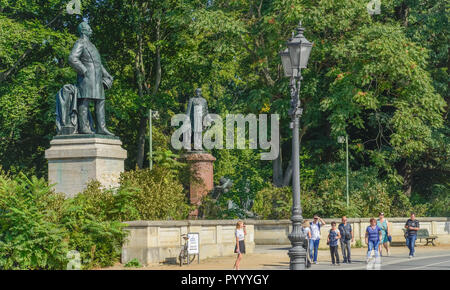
92,79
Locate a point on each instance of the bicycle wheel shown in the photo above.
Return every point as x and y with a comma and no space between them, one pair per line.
181,258
192,258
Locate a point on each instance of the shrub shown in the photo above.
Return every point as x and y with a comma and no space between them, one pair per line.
326,196
155,194
94,230
358,244
273,202
38,227
30,235
133,264
248,174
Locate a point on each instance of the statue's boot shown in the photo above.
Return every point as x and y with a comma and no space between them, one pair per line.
100,116
83,119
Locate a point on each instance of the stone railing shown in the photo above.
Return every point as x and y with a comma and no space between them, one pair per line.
274,232
153,242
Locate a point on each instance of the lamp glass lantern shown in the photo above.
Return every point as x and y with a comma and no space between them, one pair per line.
286,61
299,49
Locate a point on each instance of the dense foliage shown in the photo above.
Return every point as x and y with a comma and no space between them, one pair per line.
38,227
381,79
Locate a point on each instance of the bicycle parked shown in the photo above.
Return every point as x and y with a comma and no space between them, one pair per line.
184,257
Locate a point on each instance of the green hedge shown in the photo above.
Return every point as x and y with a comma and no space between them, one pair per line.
38,228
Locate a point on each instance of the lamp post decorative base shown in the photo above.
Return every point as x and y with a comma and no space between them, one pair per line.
297,253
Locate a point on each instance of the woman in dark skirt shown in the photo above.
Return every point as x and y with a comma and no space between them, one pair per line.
240,243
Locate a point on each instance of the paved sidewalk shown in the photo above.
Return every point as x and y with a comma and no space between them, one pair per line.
275,258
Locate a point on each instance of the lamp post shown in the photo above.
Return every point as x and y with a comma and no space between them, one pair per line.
341,140
294,58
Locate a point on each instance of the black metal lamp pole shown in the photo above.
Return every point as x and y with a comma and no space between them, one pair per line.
294,59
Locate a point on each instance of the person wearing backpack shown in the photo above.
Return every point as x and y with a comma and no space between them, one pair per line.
315,237
346,239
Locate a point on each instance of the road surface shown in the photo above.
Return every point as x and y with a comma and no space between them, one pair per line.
274,257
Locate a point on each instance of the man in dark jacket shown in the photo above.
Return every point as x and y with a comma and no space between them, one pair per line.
92,76
412,226
346,239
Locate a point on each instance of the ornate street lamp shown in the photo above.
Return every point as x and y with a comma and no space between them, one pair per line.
294,58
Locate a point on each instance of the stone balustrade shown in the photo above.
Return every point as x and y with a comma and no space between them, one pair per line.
153,242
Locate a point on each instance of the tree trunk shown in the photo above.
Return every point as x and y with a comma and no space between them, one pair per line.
288,174
407,180
140,77
142,85
277,171
141,142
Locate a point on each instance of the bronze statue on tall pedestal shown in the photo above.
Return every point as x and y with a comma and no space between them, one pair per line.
200,161
72,101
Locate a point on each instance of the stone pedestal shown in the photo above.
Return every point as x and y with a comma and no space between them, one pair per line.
201,165
74,160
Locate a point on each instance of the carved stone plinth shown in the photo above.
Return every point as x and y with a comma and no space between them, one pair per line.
74,160
201,166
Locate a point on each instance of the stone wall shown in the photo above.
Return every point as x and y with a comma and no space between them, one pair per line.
153,242
274,232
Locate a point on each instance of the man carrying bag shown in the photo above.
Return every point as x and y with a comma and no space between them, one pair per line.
346,239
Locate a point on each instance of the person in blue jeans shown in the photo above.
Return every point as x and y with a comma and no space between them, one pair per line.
315,237
411,226
373,237
333,238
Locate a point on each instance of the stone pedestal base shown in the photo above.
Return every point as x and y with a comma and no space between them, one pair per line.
201,165
74,160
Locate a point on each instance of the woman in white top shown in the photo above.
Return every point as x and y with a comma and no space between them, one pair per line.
240,244
307,232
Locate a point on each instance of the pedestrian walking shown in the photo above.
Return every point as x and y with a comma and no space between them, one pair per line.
347,237
383,224
411,226
240,243
333,239
307,232
315,236
373,237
